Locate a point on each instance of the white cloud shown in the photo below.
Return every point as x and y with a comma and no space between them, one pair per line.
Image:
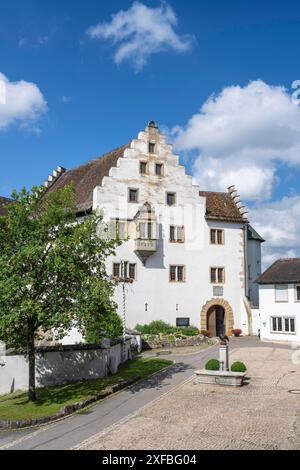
278,222
21,102
140,32
240,136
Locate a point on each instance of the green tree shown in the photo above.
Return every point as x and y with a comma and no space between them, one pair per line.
52,269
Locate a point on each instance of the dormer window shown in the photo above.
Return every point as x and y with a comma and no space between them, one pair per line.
151,147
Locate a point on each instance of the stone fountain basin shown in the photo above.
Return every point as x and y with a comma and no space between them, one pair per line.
220,377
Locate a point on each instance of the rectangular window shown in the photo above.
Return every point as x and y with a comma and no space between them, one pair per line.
216,237
124,269
131,271
171,199
151,147
133,195
143,168
217,275
116,269
182,322
281,293
177,233
158,169
297,288
177,273
121,229
283,324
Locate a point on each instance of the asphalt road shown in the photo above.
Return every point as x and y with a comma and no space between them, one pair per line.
71,431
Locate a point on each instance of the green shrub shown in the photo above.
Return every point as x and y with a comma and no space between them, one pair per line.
238,367
189,330
156,327
212,364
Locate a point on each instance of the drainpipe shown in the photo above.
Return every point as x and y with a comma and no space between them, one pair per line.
246,259
246,293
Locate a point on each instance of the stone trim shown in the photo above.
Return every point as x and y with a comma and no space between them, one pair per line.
229,319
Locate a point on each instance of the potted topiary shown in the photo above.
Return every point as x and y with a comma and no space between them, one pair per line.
212,364
238,367
236,332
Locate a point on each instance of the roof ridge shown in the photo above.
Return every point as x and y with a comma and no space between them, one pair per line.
93,160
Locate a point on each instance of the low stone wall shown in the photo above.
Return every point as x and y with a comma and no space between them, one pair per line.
160,343
58,365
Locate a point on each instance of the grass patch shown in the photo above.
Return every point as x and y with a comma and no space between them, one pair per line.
51,399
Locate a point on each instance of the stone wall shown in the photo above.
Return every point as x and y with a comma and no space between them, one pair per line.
55,366
178,342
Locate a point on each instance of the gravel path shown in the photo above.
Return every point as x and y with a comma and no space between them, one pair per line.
260,415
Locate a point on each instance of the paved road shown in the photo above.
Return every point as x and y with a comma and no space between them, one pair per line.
70,432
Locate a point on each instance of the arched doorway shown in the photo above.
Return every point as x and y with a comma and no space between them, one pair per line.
217,309
215,322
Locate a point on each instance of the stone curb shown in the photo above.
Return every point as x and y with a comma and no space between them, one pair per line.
68,409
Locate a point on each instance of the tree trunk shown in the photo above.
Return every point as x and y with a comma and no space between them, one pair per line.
31,363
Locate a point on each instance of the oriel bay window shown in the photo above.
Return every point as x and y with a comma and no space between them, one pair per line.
146,230
118,229
217,275
177,273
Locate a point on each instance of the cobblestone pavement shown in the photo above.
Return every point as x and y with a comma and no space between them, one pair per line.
261,415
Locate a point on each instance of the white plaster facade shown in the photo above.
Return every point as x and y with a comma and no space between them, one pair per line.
287,309
152,296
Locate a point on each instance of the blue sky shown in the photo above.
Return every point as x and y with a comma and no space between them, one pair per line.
85,100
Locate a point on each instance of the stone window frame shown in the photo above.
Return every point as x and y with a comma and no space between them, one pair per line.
168,193
151,147
137,195
223,276
161,165
143,162
116,221
182,227
217,230
176,266
127,269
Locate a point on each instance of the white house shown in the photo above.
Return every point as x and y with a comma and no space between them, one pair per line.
186,251
279,301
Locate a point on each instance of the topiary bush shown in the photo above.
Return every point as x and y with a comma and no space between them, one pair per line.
238,367
212,364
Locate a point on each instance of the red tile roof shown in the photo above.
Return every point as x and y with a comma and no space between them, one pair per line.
87,176
221,206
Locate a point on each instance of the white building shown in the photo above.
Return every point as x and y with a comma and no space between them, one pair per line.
279,299
186,251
